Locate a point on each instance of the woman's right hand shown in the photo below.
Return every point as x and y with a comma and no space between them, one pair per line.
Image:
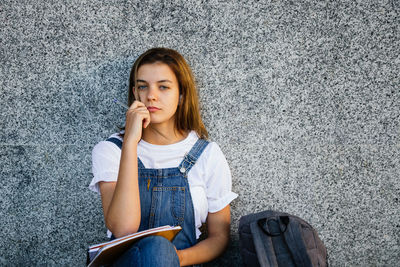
137,118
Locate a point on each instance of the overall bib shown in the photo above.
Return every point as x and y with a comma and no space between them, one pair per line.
165,199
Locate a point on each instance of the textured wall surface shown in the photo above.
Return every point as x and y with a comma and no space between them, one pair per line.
302,96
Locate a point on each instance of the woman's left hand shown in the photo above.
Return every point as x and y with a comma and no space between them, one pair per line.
178,252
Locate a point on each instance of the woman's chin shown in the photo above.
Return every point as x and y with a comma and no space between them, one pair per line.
154,119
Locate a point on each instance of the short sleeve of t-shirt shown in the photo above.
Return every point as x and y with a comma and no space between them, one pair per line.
105,164
218,179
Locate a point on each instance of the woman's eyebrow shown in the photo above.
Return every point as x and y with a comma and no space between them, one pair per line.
164,81
160,81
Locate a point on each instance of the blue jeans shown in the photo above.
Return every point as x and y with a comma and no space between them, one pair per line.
150,251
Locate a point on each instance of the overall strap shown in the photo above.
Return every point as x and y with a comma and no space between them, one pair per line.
190,158
115,141
118,142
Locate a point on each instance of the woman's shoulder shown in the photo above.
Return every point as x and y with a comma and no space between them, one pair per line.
119,136
212,148
105,146
212,154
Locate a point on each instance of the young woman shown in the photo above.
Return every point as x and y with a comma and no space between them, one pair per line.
161,170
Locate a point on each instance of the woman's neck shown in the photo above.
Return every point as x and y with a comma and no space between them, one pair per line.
162,135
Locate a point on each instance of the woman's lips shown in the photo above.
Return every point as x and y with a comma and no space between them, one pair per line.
152,109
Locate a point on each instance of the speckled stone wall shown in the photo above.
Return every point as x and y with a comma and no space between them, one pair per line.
302,96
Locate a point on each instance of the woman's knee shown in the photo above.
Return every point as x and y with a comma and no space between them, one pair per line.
129,258
157,251
155,243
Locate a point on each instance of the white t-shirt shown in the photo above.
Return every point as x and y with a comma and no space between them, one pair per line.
209,179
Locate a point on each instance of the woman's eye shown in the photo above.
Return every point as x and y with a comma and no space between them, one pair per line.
162,87
142,87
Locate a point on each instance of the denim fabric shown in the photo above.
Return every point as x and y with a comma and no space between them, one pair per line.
148,252
165,199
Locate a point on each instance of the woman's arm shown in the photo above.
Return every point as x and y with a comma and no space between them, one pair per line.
121,199
218,225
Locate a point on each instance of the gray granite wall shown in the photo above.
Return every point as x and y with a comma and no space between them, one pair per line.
302,96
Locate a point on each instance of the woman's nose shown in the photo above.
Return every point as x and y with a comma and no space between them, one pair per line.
152,95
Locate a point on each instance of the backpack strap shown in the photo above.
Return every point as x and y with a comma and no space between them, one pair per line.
190,158
118,142
263,245
296,246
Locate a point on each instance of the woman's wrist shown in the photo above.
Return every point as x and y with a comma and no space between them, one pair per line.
180,256
130,142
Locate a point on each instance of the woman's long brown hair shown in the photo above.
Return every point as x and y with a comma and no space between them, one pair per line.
188,111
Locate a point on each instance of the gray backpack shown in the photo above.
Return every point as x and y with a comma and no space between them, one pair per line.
272,238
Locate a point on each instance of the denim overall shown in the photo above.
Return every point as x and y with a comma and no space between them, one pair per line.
165,197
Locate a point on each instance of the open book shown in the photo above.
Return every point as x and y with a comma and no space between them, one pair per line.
106,253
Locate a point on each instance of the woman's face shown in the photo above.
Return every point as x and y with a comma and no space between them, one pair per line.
158,89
